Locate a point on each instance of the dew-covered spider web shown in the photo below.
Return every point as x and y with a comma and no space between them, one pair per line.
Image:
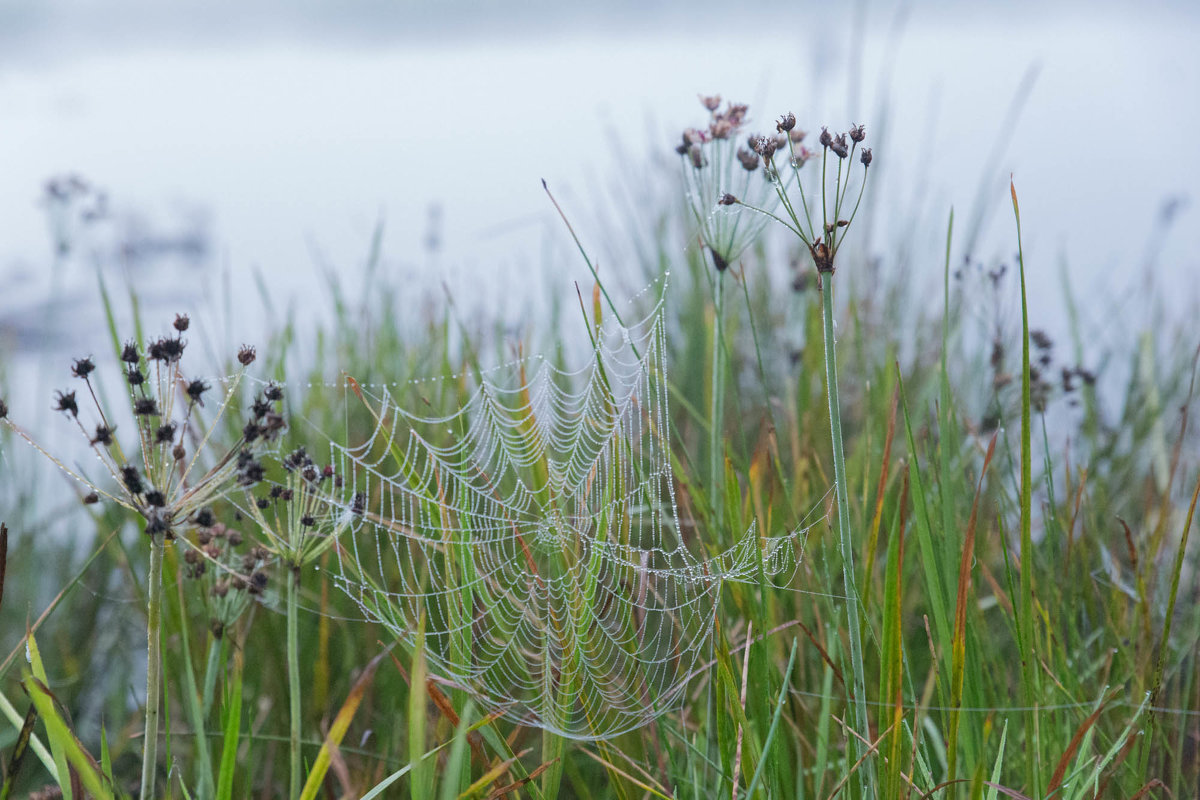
533,539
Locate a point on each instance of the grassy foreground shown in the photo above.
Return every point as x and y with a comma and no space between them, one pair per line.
1023,582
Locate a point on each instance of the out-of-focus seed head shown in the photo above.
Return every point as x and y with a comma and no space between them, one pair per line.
273,392
135,377
145,407
308,520
246,355
258,583
786,122
165,433
205,518
103,436
866,157
857,133
710,101
155,498
3,409
749,160
260,407
83,367
696,156
797,135
358,505
181,322
167,349
129,353
65,402
196,389
91,498
132,479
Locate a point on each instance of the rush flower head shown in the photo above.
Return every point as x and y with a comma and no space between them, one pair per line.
148,476
717,168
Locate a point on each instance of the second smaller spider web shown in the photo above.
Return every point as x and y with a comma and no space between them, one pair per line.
531,540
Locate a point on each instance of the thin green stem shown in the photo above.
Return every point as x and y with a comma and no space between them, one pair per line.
293,659
716,441
153,668
210,673
861,725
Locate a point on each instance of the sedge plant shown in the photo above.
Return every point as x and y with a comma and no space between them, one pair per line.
835,215
172,475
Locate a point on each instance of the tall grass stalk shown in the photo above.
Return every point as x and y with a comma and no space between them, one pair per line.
293,660
716,462
153,667
846,545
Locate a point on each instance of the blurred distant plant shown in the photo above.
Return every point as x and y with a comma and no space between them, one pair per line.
716,171
174,473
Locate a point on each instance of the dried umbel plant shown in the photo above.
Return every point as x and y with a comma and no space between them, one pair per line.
783,160
171,469
719,170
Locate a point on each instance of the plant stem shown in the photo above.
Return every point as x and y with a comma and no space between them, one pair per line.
153,668
716,439
861,725
293,659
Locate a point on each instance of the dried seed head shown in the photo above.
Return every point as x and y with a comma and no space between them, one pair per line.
3,409
132,479
839,146
359,504
273,392
155,498
696,156
826,138
749,160
786,122
91,498
727,199
165,433
65,402
178,453
135,377
167,349
181,322
103,436
205,518
258,582
145,407
83,367
866,157
857,133
196,389
129,353
710,101
308,520
765,146
246,355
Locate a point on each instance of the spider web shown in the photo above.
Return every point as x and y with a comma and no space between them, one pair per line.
532,539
